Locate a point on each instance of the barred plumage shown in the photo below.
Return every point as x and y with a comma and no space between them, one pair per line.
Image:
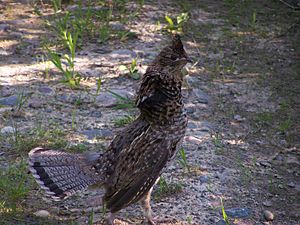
135,158
62,174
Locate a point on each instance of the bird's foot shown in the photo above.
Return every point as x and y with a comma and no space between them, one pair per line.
151,221
110,219
156,221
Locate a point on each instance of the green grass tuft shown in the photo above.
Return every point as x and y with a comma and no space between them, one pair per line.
122,121
14,187
166,189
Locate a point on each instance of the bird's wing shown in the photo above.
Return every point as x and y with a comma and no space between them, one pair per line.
121,141
160,102
149,83
137,169
152,97
125,137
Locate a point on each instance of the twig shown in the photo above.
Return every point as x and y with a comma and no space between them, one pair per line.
110,66
289,5
198,51
102,65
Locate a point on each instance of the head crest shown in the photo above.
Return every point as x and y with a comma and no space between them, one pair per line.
172,55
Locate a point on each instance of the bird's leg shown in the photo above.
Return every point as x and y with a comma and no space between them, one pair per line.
145,203
110,219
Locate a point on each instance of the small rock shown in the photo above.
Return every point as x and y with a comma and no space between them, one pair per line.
192,81
35,104
193,140
205,129
203,179
45,90
279,158
280,186
276,175
221,222
291,159
9,101
48,110
190,109
291,184
238,212
124,93
97,114
116,25
238,118
216,55
63,98
106,99
101,51
283,143
259,142
7,130
150,55
14,61
228,176
201,135
269,216
265,163
5,53
191,125
185,95
16,34
4,27
6,91
103,133
123,53
267,203
42,213
206,126
202,97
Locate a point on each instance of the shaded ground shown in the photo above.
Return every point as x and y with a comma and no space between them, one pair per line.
242,98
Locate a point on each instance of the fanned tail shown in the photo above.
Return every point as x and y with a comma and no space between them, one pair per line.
62,174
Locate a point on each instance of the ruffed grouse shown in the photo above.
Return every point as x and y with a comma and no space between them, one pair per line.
134,160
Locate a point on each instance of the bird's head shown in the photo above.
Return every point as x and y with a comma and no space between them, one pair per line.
173,56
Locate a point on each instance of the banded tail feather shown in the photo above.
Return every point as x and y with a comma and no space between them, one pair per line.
63,174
